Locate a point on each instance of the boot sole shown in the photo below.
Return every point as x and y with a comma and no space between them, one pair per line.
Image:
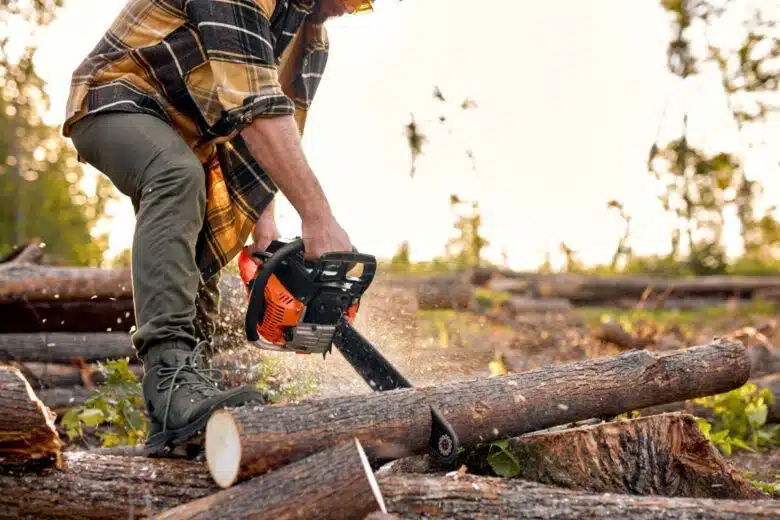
164,442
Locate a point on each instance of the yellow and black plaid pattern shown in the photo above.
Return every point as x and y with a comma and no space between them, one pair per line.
208,68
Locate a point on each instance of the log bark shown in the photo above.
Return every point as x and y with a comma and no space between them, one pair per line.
593,289
473,497
77,299
435,292
59,400
395,424
27,282
773,409
101,486
663,455
67,316
64,347
27,431
54,375
519,305
335,483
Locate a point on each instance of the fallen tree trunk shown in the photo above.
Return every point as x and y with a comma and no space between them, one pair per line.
53,375
27,432
28,282
58,400
79,299
67,316
435,292
397,423
102,486
519,305
335,483
63,347
663,455
469,497
593,289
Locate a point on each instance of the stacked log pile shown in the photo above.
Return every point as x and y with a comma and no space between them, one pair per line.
328,458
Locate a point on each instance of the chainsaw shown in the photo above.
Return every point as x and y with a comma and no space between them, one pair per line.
306,307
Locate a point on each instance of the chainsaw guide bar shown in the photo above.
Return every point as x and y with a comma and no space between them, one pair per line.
306,307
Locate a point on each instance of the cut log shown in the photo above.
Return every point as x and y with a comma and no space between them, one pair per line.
52,375
469,497
596,289
660,455
102,486
335,483
63,347
59,400
67,316
520,305
27,431
397,423
27,282
435,292
79,299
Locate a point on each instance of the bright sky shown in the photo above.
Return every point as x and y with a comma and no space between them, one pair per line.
569,96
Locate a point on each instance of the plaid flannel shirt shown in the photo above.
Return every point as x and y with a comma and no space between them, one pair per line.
209,68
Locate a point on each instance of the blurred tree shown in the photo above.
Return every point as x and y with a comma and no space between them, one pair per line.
623,251
401,257
465,249
40,179
573,263
702,187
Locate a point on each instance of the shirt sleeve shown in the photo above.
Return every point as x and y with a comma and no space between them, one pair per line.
236,36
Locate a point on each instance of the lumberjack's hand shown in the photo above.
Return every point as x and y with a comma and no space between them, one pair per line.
323,234
265,230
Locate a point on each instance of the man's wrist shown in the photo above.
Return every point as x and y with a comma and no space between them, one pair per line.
315,211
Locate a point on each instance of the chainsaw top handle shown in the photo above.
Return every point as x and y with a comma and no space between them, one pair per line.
329,270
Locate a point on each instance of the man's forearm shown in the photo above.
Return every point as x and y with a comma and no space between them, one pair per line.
276,145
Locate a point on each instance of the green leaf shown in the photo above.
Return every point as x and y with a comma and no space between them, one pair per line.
739,443
91,417
757,415
503,462
719,436
705,427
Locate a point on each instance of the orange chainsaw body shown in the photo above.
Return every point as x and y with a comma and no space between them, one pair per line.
283,311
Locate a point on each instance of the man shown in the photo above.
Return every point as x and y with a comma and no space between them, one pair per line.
194,109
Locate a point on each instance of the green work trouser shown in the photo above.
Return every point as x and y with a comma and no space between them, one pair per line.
148,161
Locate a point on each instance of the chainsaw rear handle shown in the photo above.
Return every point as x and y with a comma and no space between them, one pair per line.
345,260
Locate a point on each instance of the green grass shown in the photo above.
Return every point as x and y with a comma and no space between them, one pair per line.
670,317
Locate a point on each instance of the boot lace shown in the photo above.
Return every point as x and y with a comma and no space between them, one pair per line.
205,380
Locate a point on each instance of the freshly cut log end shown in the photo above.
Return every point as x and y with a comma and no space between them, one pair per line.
223,449
467,497
659,455
333,483
27,432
